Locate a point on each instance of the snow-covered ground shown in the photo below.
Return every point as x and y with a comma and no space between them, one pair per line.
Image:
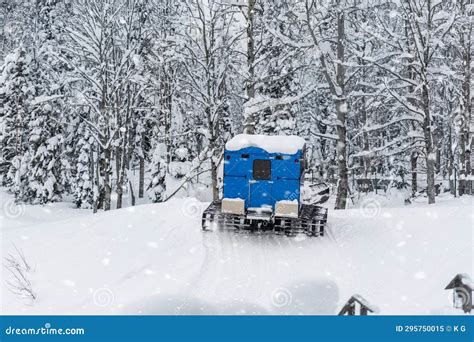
154,259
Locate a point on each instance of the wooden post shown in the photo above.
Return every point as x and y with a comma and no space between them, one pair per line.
349,308
462,286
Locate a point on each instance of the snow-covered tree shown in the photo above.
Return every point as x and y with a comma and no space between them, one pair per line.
83,189
17,90
105,43
94,92
462,44
208,61
41,181
325,24
156,187
415,52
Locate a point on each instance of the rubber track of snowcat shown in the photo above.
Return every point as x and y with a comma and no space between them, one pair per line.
311,221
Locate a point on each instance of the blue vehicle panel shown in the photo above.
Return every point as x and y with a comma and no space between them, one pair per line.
286,167
288,189
235,187
260,194
261,178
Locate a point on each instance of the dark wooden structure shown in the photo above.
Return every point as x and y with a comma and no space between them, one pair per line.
462,292
356,306
365,185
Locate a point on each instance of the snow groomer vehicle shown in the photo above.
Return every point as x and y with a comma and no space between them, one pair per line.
263,179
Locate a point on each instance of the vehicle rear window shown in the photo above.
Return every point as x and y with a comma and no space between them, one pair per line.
262,169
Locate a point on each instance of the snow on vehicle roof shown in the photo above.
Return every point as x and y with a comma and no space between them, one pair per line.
289,144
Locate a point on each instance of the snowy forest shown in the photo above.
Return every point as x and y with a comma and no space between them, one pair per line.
118,100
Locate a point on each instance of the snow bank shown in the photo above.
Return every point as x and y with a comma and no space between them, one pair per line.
270,143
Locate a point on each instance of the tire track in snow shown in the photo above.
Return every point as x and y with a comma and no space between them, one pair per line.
248,267
237,266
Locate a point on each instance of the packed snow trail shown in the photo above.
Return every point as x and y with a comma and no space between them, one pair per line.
155,259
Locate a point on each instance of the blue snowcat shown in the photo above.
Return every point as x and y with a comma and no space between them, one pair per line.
263,177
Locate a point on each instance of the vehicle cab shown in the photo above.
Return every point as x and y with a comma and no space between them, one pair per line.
263,175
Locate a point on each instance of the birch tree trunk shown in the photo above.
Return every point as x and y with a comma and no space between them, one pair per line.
123,170
341,111
465,38
141,180
105,168
165,111
430,151
249,120
414,174
337,88
366,160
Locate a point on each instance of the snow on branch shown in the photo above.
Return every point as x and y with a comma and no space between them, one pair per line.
261,103
194,172
396,142
42,99
387,124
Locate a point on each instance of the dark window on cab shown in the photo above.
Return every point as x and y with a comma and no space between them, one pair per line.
262,169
